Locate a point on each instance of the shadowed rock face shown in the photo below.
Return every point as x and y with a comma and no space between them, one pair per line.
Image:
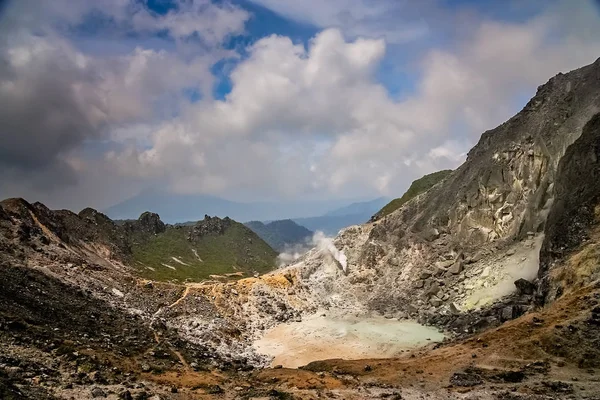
577,199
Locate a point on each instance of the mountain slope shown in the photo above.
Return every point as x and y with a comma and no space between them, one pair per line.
212,246
281,234
451,255
416,188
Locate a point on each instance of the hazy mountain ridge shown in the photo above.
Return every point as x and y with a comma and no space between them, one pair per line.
281,234
182,208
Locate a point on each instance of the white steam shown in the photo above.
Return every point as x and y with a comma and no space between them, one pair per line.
319,241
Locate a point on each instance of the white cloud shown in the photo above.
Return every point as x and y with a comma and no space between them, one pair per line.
327,94
298,120
397,21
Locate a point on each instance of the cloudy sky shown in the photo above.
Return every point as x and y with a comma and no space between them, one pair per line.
265,99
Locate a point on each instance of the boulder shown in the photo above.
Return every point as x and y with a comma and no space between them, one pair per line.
524,286
419,284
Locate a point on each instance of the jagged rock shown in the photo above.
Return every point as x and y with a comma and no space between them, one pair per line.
507,313
454,309
456,268
433,289
524,286
209,226
150,223
436,302
419,284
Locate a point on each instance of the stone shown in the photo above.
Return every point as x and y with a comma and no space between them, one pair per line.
507,313
146,368
425,274
486,272
436,302
456,268
431,234
510,252
444,264
454,308
419,284
524,286
476,257
97,392
434,289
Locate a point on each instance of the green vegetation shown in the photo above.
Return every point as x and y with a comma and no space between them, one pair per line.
180,254
419,186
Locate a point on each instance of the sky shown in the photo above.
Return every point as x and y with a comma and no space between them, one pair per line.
265,99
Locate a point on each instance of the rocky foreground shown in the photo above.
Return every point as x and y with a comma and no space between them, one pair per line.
503,255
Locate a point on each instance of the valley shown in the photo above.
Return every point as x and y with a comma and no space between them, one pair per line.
483,283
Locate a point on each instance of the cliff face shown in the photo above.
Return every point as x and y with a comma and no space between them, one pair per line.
571,249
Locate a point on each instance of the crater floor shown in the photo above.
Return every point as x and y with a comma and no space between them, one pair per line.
319,338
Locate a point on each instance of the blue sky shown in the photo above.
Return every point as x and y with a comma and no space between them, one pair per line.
267,99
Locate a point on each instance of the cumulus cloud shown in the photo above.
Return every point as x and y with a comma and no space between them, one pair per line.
300,119
351,135
49,105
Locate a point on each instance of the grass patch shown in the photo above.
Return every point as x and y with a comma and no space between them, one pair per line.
173,255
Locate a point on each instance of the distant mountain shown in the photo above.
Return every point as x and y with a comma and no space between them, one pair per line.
281,234
333,221
173,207
359,208
329,225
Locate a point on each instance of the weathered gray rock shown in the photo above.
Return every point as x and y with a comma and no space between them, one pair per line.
435,301
433,289
425,274
507,313
419,284
456,268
